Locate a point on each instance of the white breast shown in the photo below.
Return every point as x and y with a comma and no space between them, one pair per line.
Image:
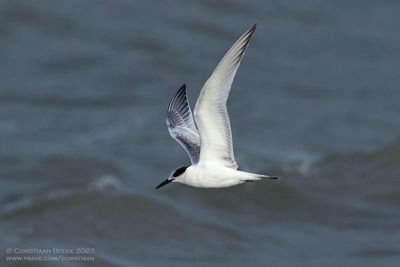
211,176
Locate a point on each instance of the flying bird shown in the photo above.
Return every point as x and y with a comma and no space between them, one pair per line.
207,138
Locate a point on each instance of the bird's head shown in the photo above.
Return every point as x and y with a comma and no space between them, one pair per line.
175,176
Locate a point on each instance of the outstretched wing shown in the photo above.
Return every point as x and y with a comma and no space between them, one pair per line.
181,125
210,112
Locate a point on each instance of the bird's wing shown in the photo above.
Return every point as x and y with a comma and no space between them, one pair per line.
210,112
181,125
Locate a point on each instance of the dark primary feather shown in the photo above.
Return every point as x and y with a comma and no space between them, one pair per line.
181,125
178,112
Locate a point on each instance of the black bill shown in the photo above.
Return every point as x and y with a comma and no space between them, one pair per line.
164,183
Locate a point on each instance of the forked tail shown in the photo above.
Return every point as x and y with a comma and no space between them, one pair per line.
254,176
261,176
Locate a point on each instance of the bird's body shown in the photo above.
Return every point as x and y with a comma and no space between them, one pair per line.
214,175
207,138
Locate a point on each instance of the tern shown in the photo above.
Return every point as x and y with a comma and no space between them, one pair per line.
209,145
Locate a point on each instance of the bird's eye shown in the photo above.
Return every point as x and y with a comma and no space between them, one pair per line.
179,171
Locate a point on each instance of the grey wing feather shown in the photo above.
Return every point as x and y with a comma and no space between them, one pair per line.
181,125
210,112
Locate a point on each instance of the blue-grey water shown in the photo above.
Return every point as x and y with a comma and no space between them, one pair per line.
84,87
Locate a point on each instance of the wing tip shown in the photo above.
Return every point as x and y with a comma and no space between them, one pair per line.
181,92
247,36
250,32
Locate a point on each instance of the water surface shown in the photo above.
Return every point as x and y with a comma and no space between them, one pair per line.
84,89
